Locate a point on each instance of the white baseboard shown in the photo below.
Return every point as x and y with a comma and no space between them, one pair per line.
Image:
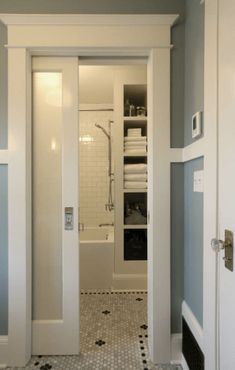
176,348
3,351
193,324
129,282
184,364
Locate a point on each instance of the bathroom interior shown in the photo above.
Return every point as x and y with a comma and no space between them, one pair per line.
113,177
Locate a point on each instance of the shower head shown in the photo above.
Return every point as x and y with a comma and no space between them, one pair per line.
103,129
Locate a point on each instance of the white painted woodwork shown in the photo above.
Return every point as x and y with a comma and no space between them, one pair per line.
194,150
159,205
4,156
3,351
226,176
42,35
47,216
60,334
19,208
210,186
131,76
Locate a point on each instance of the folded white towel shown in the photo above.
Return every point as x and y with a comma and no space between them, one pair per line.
134,143
135,138
135,177
135,185
135,151
134,132
135,168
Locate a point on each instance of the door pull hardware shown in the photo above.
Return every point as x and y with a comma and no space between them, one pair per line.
68,218
217,245
81,226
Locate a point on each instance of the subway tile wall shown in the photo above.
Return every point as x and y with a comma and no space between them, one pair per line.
94,168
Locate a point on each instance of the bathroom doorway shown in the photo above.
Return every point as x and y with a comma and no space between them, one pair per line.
113,157
113,176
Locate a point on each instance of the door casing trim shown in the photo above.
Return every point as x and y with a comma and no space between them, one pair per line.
26,39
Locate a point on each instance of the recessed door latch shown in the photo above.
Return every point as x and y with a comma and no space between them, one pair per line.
227,245
68,218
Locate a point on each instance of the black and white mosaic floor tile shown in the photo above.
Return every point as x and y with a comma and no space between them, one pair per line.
114,335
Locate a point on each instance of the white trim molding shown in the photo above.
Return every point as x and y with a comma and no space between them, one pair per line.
89,19
184,363
3,351
176,155
114,36
194,150
59,31
188,153
193,324
176,348
4,156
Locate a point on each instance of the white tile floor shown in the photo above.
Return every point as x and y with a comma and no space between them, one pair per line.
113,336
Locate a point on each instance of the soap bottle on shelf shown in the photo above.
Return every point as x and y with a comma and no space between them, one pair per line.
127,108
132,110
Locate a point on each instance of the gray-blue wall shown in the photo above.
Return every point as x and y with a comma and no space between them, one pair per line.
193,241
92,6
194,65
177,102
3,251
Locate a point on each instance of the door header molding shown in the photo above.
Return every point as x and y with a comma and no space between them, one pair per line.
89,19
43,31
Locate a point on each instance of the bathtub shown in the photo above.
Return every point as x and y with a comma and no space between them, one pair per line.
96,258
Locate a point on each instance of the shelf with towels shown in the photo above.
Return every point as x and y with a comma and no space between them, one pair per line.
126,227
135,154
133,119
135,190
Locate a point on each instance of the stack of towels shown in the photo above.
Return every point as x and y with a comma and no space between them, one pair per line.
135,176
134,143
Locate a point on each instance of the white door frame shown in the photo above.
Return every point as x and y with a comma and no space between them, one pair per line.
70,35
210,273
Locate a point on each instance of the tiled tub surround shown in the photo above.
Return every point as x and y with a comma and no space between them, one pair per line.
114,335
94,168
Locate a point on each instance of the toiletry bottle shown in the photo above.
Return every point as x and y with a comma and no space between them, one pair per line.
127,108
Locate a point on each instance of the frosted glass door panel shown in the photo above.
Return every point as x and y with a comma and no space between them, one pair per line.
3,89
3,249
47,196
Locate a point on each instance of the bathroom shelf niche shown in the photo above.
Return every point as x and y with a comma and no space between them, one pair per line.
135,209
134,119
135,154
135,227
135,244
131,235
135,190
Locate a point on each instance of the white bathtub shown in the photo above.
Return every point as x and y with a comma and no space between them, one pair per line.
96,258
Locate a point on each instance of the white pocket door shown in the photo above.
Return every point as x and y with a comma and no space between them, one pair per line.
55,288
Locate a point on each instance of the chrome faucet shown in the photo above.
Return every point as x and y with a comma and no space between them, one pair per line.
112,224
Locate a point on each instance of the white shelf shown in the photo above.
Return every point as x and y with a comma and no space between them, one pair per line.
135,154
125,227
135,190
135,119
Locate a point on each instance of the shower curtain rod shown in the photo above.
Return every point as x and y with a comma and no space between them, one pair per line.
96,110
